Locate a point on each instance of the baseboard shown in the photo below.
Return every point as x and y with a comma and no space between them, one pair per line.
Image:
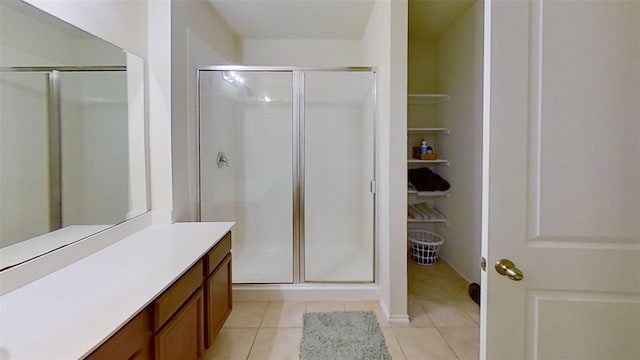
398,319
307,292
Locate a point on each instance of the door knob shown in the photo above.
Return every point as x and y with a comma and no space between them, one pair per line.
507,268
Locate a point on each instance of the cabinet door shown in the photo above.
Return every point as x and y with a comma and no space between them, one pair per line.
182,336
219,301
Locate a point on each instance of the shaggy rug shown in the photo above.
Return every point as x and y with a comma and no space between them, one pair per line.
346,335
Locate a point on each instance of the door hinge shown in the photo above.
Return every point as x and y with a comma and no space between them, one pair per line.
372,186
483,264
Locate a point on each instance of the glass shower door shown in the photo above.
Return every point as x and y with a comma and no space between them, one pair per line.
246,168
338,174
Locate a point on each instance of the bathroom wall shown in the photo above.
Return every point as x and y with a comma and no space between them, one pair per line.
99,16
199,36
389,21
301,52
459,74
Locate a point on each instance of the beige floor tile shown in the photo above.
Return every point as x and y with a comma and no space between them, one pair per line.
284,314
446,313
423,343
411,296
426,291
246,314
231,344
276,344
368,306
471,308
392,343
463,340
458,290
324,306
417,317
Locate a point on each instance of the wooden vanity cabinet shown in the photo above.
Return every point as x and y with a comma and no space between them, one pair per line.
184,319
217,286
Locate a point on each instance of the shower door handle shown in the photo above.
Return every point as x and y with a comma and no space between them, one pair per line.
222,160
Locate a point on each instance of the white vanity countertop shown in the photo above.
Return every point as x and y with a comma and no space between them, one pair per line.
68,313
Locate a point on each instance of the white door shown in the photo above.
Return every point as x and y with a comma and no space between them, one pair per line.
562,180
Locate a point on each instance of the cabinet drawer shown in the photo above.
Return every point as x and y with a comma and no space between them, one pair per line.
171,300
218,253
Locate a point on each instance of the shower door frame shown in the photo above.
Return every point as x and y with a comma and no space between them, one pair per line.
298,157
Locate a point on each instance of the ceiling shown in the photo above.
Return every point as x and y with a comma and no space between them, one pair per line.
329,19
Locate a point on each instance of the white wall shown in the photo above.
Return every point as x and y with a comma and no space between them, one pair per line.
199,37
389,21
23,43
307,52
122,23
459,74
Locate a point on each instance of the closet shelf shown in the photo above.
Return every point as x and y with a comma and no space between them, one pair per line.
428,193
426,99
424,213
428,130
437,221
428,162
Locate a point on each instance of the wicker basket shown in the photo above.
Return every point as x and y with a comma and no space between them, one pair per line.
424,246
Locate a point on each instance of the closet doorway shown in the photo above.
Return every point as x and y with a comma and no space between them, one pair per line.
288,154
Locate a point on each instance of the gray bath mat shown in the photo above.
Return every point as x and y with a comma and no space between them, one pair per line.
346,335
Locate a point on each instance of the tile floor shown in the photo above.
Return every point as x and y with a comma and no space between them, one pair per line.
444,322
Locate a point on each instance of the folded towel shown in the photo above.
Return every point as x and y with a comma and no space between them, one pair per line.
423,179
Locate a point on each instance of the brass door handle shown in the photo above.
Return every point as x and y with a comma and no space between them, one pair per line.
507,268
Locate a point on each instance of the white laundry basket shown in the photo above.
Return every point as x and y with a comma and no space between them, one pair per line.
424,246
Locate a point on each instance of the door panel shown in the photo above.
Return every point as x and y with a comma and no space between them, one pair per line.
338,169
248,117
562,187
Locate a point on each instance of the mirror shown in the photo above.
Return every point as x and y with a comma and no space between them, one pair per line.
72,134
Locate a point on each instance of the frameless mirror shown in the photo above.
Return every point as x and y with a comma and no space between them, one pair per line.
72,134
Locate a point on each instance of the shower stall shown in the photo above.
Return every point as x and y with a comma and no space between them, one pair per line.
288,154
